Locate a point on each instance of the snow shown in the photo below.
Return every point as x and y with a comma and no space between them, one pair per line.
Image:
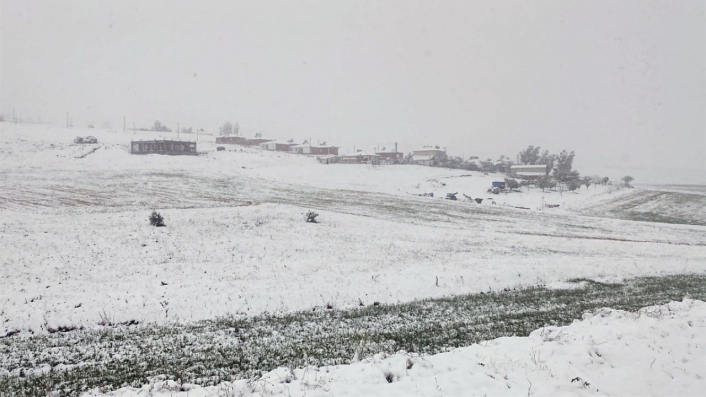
76,242
660,350
37,146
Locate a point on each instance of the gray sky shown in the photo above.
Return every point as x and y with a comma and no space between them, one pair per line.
621,82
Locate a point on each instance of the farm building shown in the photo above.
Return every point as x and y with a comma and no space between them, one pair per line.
328,159
240,140
504,165
314,149
235,140
360,157
256,141
278,146
163,147
393,157
428,156
529,171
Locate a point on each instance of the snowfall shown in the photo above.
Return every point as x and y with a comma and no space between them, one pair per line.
658,351
76,247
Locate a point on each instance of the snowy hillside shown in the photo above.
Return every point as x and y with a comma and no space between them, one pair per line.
77,245
37,146
90,292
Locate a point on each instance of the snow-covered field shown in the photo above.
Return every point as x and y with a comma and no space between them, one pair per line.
684,207
78,252
77,246
658,351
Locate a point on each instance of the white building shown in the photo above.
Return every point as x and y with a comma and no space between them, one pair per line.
529,171
428,156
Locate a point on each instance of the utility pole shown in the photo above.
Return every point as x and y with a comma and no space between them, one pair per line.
67,119
133,129
177,131
123,124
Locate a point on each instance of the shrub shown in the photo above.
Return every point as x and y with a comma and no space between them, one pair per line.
627,179
512,183
156,219
311,217
573,185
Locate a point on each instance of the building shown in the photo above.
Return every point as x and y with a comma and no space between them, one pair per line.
529,171
317,150
163,147
328,159
504,165
234,140
278,146
428,156
256,141
240,140
391,157
361,157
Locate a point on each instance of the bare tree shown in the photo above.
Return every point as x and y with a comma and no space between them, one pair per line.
530,156
227,128
564,164
548,159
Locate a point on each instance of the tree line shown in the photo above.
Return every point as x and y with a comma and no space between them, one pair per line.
560,172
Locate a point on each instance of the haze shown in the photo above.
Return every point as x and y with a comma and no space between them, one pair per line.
622,83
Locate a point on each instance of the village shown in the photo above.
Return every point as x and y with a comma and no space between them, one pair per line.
530,169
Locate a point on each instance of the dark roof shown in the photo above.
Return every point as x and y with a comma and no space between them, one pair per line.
161,140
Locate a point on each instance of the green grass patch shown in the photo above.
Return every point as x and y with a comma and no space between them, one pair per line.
209,352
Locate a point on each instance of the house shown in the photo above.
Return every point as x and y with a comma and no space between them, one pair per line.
274,145
529,171
163,147
361,157
256,141
234,140
328,159
317,150
504,165
481,165
428,156
391,157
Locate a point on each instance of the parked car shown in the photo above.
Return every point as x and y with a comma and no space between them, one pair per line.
220,148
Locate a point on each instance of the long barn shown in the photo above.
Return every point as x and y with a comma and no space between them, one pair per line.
163,147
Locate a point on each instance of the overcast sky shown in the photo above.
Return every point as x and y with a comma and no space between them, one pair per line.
621,82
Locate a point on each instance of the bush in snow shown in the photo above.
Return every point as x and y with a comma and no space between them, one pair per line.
573,185
311,217
627,179
512,183
156,219
87,139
